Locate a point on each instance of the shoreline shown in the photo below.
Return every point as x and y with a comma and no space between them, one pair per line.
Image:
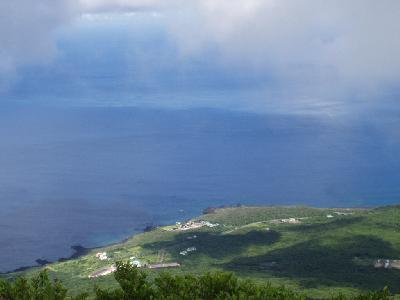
80,250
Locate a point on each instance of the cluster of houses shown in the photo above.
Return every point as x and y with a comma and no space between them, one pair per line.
111,269
102,255
134,262
137,263
208,224
298,220
286,221
187,251
192,225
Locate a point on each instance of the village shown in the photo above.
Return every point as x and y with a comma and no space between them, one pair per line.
196,224
190,225
287,221
133,261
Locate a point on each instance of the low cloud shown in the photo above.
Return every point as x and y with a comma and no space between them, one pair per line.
27,33
353,42
115,6
320,44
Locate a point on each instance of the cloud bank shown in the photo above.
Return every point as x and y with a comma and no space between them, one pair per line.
352,45
355,42
27,32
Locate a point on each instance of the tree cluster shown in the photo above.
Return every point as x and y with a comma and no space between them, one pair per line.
135,285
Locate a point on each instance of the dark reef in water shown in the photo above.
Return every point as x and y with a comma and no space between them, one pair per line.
78,252
42,262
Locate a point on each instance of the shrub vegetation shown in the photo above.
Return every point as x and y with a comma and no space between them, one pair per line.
135,285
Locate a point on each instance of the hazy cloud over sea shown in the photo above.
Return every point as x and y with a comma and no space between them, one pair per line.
321,52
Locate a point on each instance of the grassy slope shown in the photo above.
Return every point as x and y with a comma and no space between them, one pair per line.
321,256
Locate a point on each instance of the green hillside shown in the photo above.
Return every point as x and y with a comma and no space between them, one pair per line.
321,252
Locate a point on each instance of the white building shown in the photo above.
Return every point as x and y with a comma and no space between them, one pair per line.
136,263
102,255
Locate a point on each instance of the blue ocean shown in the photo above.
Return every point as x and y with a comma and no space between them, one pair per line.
91,176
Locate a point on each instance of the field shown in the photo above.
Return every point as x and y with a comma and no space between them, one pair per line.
322,252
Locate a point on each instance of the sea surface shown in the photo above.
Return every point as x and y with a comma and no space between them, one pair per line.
93,176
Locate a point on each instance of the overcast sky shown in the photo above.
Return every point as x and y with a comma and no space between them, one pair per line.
300,50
